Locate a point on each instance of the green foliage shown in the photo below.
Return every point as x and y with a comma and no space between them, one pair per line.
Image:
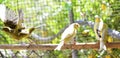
3,36
54,14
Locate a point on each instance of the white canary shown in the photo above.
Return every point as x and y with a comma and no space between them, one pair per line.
68,35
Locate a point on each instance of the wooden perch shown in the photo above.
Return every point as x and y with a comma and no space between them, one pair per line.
52,46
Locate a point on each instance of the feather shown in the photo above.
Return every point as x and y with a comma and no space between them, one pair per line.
59,46
68,35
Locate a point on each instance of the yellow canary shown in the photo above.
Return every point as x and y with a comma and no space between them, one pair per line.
68,35
85,32
108,56
91,56
103,6
110,39
13,23
101,33
96,25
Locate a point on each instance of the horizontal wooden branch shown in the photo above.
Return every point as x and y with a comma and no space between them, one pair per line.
52,46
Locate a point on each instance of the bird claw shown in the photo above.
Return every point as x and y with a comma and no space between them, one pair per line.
29,45
74,45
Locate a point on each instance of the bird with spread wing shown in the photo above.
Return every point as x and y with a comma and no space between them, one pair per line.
13,23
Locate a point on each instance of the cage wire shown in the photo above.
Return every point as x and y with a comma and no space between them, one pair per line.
37,13
49,14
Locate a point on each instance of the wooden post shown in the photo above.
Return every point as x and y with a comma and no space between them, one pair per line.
71,17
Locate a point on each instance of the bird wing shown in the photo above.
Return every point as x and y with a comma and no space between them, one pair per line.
10,18
20,19
68,34
100,27
2,12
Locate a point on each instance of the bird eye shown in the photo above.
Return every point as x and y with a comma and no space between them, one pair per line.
76,25
19,30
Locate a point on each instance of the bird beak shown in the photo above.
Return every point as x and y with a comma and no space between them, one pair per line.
76,25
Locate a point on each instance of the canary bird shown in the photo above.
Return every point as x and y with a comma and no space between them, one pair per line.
103,6
101,33
68,35
85,33
96,25
14,23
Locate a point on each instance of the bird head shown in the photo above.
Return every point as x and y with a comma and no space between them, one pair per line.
103,6
76,25
31,30
97,18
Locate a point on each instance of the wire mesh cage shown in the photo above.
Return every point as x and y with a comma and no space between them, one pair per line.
40,14
51,17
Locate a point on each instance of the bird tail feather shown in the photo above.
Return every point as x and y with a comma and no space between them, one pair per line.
59,46
102,45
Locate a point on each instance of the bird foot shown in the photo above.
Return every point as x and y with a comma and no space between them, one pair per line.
74,45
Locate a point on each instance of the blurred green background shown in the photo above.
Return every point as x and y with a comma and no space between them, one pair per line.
54,14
